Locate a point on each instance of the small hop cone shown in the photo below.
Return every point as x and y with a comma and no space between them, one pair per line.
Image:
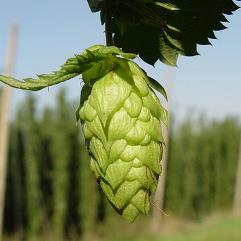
121,118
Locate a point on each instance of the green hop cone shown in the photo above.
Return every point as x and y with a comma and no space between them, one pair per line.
121,118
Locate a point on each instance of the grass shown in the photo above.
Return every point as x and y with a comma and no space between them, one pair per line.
226,229
215,228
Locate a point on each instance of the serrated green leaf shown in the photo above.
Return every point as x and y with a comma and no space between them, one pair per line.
37,84
171,27
97,59
95,5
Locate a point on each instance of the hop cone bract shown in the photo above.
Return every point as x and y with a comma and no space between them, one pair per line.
121,118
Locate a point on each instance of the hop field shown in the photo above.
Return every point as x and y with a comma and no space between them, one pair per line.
222,229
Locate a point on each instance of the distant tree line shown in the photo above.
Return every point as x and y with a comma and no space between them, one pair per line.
50,185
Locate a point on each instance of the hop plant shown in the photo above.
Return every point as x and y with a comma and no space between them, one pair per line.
119,111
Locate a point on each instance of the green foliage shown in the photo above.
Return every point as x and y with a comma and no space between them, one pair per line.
95,57
46,158
95,5
60,153
202,167
119,111
164,29
49,184
200,179
15,179
31,146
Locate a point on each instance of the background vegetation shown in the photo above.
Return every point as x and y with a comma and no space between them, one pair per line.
50,188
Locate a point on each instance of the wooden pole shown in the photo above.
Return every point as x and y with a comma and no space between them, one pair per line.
237,194
4,120
160,192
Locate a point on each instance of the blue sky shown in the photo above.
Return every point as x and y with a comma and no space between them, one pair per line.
51,31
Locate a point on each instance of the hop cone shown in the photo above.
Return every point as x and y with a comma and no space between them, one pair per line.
121,118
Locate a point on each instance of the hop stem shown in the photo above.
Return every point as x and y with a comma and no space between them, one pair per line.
108,24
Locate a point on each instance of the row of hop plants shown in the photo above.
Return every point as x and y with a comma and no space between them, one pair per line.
203,157
50,186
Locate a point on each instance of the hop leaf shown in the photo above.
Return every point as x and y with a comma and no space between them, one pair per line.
95,5
121,118
164,29
97,55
